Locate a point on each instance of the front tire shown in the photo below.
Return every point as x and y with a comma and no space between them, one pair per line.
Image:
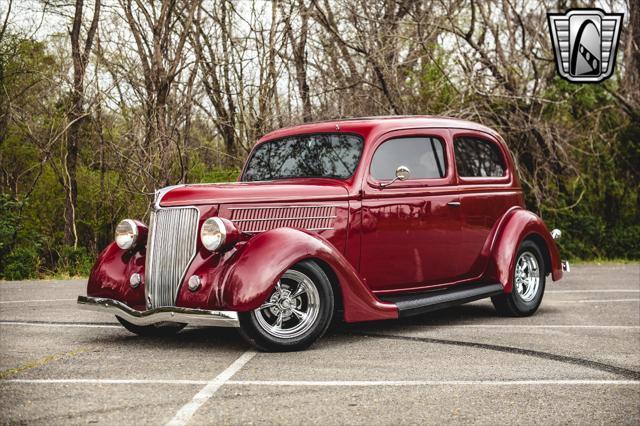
151,330
528,283
296,314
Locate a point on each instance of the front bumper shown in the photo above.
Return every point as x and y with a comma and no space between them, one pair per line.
166,314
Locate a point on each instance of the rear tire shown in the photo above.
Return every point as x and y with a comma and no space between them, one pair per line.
528,277
295,315
151,330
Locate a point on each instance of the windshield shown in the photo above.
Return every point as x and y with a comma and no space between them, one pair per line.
321,155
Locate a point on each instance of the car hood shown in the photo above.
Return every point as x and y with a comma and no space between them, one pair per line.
253,192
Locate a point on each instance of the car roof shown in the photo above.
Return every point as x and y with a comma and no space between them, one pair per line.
381,124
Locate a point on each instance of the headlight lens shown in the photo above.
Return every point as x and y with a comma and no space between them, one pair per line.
213,233
126,234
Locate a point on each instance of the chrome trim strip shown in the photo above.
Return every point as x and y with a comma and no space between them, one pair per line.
284,218
160,315
280,207
305,229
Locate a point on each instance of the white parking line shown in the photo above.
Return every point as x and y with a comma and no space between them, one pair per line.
597,301
429,382
319,383
185,413
48,324
36,301
107,381
530,326
608,290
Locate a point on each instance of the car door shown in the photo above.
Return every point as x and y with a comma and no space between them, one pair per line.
486,189
410,228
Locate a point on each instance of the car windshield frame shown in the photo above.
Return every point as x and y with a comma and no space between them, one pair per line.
356,136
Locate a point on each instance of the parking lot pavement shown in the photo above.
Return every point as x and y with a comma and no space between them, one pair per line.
576,361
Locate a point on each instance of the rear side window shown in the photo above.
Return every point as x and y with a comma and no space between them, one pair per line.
478,158
424,156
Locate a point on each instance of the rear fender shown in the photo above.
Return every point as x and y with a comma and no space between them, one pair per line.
268,255
517,225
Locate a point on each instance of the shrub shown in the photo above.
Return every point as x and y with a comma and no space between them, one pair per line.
623,242
74,261
21,263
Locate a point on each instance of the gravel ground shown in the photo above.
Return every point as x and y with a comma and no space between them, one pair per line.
576,361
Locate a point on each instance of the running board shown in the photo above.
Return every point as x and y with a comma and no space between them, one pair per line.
420,303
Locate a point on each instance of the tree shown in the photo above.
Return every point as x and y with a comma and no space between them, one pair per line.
80,54
160,31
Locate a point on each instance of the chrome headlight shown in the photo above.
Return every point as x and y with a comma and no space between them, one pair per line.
217,233
126,234
213,233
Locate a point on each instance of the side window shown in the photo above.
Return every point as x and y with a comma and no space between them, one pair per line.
424,156
478,158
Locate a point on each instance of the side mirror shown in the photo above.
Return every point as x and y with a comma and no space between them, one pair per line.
402,173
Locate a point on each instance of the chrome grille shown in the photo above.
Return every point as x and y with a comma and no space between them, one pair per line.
170,249
260,219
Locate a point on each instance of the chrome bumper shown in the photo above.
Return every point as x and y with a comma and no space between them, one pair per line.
565,266
158,315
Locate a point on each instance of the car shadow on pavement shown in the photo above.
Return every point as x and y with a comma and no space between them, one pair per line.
455,315
230,338
189,338
468,314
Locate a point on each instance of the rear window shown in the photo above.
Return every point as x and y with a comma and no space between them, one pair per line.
478,158
424,156
305,156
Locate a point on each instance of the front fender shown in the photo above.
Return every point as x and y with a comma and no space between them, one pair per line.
268,255
109,277
517,225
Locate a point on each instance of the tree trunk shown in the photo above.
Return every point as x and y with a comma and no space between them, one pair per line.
71,166
631,79
75,117
299,47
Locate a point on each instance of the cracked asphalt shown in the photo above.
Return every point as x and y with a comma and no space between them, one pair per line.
576,361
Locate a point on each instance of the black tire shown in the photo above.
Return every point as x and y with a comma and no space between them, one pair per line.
514,304
259,336
151,330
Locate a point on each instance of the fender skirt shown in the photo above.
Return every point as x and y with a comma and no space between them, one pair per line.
268,255
516,226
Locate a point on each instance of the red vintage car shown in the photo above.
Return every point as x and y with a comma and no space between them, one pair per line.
364,219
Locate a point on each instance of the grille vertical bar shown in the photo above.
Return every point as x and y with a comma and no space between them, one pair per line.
171,247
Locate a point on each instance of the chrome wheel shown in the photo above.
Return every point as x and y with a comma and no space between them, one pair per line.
527,276
292,308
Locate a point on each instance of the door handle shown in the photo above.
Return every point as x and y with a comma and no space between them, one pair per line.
453,203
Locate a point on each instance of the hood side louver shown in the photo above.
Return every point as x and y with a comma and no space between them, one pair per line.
260,219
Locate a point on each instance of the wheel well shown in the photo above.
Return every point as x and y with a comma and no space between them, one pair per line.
542,245
335,283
